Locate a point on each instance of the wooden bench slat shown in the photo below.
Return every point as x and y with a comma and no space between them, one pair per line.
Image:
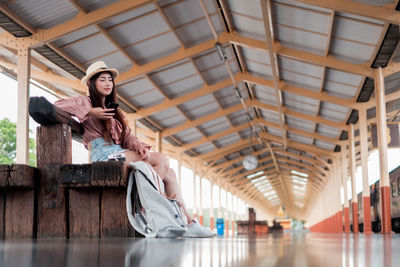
97,174
17,175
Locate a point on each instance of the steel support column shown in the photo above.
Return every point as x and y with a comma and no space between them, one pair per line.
354,204
382,147
362,118
23,77
345,192
201,218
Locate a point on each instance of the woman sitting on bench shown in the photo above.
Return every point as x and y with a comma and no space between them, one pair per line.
106,132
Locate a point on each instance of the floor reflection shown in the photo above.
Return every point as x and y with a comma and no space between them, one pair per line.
305,249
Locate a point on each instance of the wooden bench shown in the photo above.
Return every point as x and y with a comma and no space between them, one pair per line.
58,198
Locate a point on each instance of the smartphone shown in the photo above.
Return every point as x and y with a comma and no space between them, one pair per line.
113,105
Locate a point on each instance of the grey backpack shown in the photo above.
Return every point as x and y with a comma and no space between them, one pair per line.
149,211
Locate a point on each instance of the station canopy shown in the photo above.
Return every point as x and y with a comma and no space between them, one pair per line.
218,80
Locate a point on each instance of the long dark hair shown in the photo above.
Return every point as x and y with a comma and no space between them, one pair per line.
95,97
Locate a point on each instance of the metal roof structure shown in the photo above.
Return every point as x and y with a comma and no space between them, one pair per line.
201,74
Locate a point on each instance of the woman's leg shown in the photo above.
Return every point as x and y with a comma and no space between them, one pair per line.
171,186
158,161
160,164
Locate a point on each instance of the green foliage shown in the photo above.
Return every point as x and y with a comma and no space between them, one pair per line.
8,143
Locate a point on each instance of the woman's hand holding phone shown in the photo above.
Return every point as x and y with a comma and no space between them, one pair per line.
102,113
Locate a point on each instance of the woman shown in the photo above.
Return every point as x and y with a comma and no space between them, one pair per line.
106,132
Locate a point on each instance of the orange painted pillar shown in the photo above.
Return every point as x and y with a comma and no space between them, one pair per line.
382,147
354,204
362,118
346,220
340,221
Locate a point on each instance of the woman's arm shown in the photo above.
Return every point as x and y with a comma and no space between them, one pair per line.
78,106
81,107
131,142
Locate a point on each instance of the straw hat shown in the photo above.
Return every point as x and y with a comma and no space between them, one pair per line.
97,67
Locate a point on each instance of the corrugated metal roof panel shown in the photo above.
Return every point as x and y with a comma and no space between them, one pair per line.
173,73
196,33
91,5
301,18
183,87
350,51
300,139
133,32
150,50
189,135
124,17
169,118
302,40
300,103
227,140
90,48
227,96
298,123
238,117
333,112
204,148
43,14
200,107
249,27
215,126
76,36
324,145
328,131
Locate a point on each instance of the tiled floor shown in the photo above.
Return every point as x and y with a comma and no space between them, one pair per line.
309,249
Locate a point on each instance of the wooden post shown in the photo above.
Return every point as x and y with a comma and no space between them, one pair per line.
345,193
382,147
24,70
362,118
158,147
18,198
354,204
53,148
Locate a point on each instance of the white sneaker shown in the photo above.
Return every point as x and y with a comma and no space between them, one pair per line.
197,230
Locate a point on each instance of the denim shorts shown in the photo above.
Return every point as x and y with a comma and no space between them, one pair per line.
101,149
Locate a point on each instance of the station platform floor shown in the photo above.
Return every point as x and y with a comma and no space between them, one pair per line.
288,249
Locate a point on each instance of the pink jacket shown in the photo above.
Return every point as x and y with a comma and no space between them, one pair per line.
79,106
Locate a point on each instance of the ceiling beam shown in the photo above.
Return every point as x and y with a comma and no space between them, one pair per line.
266,9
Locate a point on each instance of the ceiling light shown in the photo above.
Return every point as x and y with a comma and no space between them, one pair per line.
220,51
